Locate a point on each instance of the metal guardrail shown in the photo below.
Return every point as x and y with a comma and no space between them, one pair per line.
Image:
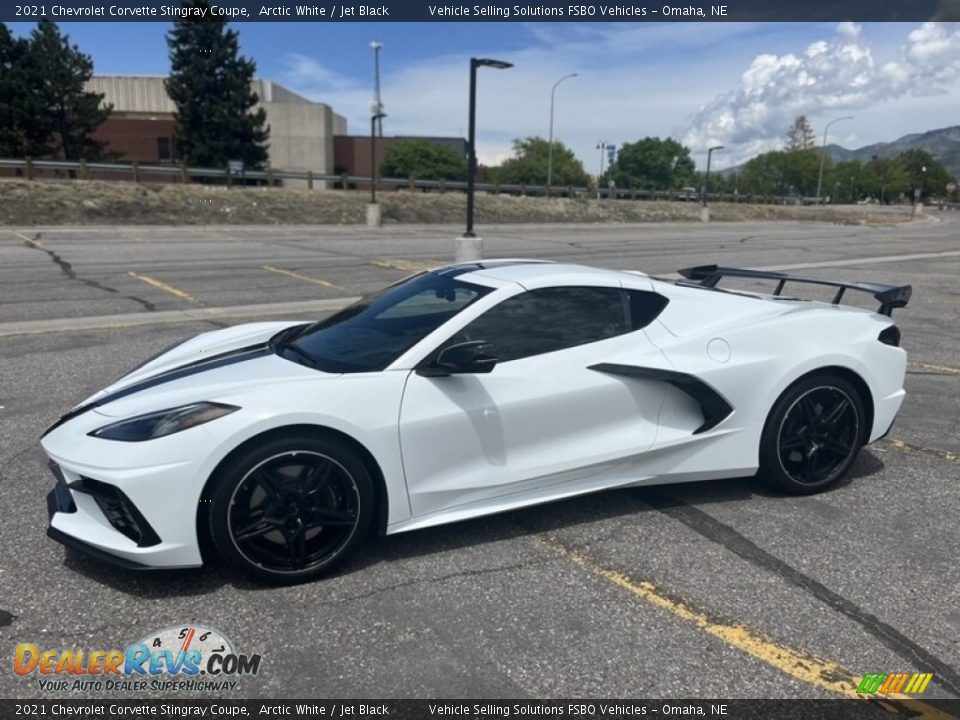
183,174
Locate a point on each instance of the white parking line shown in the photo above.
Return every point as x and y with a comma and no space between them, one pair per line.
862,261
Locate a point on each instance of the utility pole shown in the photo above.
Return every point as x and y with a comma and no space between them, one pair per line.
602,147
377,107
823,149
550,147
468,246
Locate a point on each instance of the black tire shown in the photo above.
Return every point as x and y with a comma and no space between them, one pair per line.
812,434
291,509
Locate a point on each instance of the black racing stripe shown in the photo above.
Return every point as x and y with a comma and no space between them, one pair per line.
213,362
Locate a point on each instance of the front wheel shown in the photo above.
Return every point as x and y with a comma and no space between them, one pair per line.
291,509
812,435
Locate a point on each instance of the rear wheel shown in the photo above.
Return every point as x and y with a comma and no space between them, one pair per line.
291,509
812,435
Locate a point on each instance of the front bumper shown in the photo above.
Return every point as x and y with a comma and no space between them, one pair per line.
136,506
95,552
60,500
100,521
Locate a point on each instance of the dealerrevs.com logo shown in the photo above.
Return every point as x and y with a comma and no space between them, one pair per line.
190,657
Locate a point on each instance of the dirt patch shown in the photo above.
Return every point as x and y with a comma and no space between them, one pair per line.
96,202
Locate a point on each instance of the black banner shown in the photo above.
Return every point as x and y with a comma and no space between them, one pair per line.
334,11
481,709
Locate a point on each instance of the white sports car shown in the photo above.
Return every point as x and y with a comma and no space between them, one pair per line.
467,390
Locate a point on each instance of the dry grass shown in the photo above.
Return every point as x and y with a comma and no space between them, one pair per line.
95,202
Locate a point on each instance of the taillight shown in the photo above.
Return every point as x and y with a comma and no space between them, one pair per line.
890,336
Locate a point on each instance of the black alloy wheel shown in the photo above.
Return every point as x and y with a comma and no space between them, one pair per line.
813,435
291,510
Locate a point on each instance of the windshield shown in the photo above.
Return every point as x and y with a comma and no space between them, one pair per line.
373,332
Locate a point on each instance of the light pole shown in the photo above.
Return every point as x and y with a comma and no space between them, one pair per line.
553,91
472,133
918,192
823,149
602,147
706,177
373,209
374,120
376,108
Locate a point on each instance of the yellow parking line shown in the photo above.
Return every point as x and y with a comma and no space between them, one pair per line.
938,368
900,444
28,241
407,265
821,673
298,276
166,288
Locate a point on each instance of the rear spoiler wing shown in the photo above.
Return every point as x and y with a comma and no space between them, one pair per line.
890,297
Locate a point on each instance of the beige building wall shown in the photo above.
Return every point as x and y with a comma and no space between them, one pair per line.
301,138
301,131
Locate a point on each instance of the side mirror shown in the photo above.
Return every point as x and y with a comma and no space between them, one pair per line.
476,356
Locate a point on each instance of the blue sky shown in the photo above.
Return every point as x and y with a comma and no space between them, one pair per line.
734,84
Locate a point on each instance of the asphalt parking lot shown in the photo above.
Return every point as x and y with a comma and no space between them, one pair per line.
717,589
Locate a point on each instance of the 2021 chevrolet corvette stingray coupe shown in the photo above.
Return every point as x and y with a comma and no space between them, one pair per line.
467,390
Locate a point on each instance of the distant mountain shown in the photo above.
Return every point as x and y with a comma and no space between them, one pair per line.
943,144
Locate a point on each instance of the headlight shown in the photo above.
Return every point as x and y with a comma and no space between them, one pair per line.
164,422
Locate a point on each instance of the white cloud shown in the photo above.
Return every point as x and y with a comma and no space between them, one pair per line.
832,75
622,93
657,79
311,76
849,30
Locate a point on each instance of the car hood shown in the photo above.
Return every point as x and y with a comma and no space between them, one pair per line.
203,346
210,366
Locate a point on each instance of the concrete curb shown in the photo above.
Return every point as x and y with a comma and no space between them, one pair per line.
168,317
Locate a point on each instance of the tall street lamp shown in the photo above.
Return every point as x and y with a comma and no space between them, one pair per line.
918,192
553,91
373,209
376,108
374,120
602,147
706,177
823,149
472,133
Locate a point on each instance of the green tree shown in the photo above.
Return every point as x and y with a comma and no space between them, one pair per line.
653,164
14,96
924,172
853,181
892,178
210,84
55,76
800,135
528,166
782,172
764,174
719,182
424,160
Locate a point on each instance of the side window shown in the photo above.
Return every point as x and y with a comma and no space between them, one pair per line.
644,307
549,319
